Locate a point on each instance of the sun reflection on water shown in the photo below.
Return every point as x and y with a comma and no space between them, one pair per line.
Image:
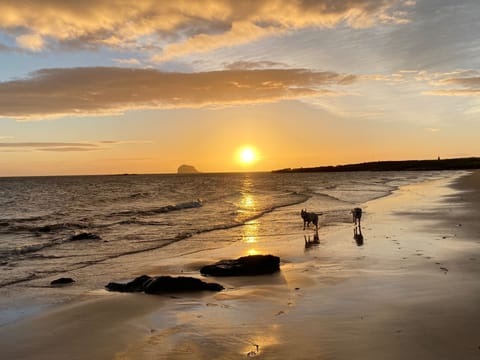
250,237
250,231
248,201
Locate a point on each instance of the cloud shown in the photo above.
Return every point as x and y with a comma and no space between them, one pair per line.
458,83
67,149
453,92
49,146
107,90
44,144
32,42
419,43
131,61
248,65
239,33
5,48
453,83
467,82
181,27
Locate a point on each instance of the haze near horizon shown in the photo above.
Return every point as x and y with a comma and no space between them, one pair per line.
99,87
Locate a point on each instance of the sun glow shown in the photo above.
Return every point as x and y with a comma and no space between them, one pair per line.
247,155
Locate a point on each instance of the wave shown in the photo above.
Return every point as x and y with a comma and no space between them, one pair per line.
43,228
139,222
230,225
138,195
29,277
33,251
127,197
329,196
23,219
27,249
33,248
353,196
161,210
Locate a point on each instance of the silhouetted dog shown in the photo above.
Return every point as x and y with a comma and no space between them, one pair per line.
308,218
357,215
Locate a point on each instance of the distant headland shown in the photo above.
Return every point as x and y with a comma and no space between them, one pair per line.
402,165
187,169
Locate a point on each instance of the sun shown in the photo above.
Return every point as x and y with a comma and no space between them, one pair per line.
247,155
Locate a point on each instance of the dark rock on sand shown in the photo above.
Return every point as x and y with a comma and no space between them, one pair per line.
137,285
85,236
164,285
244,266
62,281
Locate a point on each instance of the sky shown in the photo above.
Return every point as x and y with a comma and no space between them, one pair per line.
116,86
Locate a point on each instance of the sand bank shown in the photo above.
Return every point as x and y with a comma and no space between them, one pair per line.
410,291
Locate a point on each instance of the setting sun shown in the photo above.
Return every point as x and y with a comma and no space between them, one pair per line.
247,155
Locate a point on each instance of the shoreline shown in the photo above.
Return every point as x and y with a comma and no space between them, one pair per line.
388,299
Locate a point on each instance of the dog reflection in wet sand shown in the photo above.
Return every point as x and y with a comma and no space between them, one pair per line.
309,217
357,232
309,243
357,235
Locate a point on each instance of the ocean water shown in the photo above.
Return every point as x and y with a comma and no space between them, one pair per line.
137,214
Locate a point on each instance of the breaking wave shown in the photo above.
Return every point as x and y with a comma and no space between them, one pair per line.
160,210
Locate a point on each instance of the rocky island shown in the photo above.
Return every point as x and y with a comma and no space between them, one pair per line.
187,169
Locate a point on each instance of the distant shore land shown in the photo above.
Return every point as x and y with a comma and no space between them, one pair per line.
470,163
401,165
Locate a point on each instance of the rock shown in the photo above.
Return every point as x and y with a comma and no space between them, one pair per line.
136,285
62,281
85,236
164,285
244,266
187,169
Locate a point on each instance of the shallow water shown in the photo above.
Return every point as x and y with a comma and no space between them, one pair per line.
134,214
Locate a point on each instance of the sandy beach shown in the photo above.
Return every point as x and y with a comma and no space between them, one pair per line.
410,291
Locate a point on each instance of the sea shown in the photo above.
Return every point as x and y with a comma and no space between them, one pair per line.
65,226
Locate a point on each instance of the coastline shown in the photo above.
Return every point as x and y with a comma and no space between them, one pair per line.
410,290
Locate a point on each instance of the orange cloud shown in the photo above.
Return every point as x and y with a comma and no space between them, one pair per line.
454,83
182,26
468,82
459,83
92,91
48,146
32,42
454,92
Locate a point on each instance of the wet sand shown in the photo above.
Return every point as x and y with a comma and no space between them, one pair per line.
410,291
